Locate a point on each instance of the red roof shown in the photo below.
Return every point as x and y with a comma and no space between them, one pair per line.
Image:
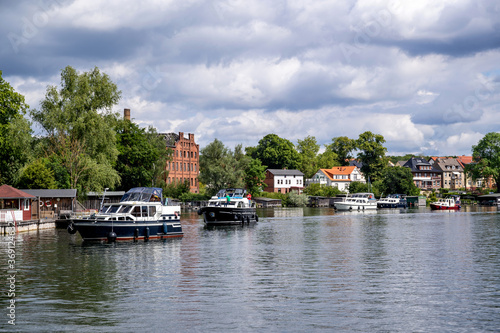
343,170
8,192
464,160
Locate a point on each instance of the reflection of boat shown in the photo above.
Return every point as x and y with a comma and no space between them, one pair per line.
392,201
358,201
447,203
140,214
229,206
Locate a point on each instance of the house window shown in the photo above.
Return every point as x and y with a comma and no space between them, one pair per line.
26,204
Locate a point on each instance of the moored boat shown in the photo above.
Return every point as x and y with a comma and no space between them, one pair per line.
140,214
230,206
358,201
446,203
392,201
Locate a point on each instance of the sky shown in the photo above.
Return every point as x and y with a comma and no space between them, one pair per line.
424,74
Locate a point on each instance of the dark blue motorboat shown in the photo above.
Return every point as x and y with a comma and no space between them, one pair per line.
140,214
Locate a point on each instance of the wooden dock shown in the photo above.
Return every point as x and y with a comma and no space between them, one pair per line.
25,226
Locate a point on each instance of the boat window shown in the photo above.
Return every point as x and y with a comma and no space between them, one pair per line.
240,204
144,210
152,210
113,209
125,209
104,208
136,211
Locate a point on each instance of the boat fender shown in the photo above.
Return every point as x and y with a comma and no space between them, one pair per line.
199,211
256,218
242,219
146,234
211,214
136,234
165,228
71,229
111,237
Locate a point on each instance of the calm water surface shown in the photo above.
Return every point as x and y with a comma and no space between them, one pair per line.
297,270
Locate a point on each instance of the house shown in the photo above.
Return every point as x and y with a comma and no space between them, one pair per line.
284,181
453,177
339,177
185,164
470,183
425,175
15,205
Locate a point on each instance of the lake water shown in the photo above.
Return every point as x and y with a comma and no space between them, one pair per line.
297,270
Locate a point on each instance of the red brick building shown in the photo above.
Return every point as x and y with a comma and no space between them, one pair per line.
185,164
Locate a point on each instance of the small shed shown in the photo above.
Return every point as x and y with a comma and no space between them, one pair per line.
263,202
54,202
317,201
416,201
492,199
15,205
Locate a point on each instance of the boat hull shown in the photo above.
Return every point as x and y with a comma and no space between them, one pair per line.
125,230
391,205
228,215
441,207
354,206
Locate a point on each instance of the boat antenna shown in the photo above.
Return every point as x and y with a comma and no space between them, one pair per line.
102,201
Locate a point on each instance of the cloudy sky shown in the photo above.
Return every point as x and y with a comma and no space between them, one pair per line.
424,74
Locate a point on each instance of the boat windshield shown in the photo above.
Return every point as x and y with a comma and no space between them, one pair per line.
104,209
125,209
232,193
143,194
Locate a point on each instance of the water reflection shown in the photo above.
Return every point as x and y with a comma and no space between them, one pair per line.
296,270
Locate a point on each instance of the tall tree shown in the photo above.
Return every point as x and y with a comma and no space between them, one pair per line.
277,153
255,174
308,151
397,180
15,133
78,117
220,168
343,147
372,155
142,156
486,155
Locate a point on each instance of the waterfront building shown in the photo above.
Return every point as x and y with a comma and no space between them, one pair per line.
340,177
453,177
284,181
425,175
185,161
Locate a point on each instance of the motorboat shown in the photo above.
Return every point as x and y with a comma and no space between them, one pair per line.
446,203
358,201
140,215
229,206
392,201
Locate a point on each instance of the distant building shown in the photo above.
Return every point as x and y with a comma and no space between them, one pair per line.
284,181
185,164
470,183
425,175
339,177
452,172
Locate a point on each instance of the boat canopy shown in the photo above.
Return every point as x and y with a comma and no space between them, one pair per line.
232,193
143,194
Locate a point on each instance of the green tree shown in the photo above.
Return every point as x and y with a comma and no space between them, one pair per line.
327,160
142,156
308,151
343,147
78,116
358,187
220,168
277,153
397,180
37,175
372,155
255,174
486,155
15,133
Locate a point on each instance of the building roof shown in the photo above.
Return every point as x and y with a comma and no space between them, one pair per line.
342,170
9,192
464,160
414,162
285,172
51,193
443,163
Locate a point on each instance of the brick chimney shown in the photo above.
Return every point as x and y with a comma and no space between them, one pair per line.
126,114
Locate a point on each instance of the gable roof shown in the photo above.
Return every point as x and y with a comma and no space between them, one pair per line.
414,162
343,170
9,192
285,172
464,160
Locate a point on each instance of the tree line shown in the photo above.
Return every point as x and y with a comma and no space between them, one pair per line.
82,144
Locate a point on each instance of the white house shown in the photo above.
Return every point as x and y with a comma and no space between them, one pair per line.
284,181
339,177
